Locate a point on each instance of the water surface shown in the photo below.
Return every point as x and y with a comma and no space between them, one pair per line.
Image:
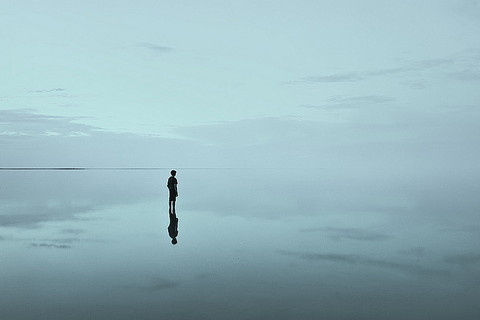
252,244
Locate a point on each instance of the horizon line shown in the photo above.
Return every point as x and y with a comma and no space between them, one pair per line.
118,168
132,168
99,168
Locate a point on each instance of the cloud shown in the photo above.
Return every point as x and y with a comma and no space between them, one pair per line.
48,90
407,140
159,49
464,260
470,230
416,252
469,9
73,231
343,77
241,133
348,102
30,198
29,215
42,94
411,67
62,243
350,234
41,140
385,169
417,84
50,245
382,152
156,285
415,66
26,123
368,99
466,75
352,259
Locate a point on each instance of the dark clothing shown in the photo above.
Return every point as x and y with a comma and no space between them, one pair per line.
172,182
172,188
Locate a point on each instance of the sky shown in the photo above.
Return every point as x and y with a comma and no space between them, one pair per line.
359,84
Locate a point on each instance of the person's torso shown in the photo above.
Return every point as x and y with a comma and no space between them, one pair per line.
172,181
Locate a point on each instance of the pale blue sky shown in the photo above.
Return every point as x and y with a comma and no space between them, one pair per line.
299,82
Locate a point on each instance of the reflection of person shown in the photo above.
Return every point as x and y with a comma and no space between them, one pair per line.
172,190
173,228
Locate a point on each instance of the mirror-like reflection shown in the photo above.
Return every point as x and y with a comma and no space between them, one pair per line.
173,228
346,245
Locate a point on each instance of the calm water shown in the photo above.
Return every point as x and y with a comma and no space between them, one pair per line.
252,244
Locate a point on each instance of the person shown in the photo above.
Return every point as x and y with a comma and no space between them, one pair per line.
173,191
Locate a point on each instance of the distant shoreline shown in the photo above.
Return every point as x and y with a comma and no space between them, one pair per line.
105,168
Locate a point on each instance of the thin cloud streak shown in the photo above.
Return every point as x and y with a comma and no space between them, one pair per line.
50,246
464,260
350,234
348,102
155,286
353,259
48,91
155,47
360,76
344,77
412,67
466,75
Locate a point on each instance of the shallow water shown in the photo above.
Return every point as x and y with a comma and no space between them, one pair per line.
252,244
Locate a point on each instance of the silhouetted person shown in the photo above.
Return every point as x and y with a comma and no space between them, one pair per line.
172,191
173,228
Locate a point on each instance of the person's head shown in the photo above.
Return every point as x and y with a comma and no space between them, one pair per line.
174,241
173,173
